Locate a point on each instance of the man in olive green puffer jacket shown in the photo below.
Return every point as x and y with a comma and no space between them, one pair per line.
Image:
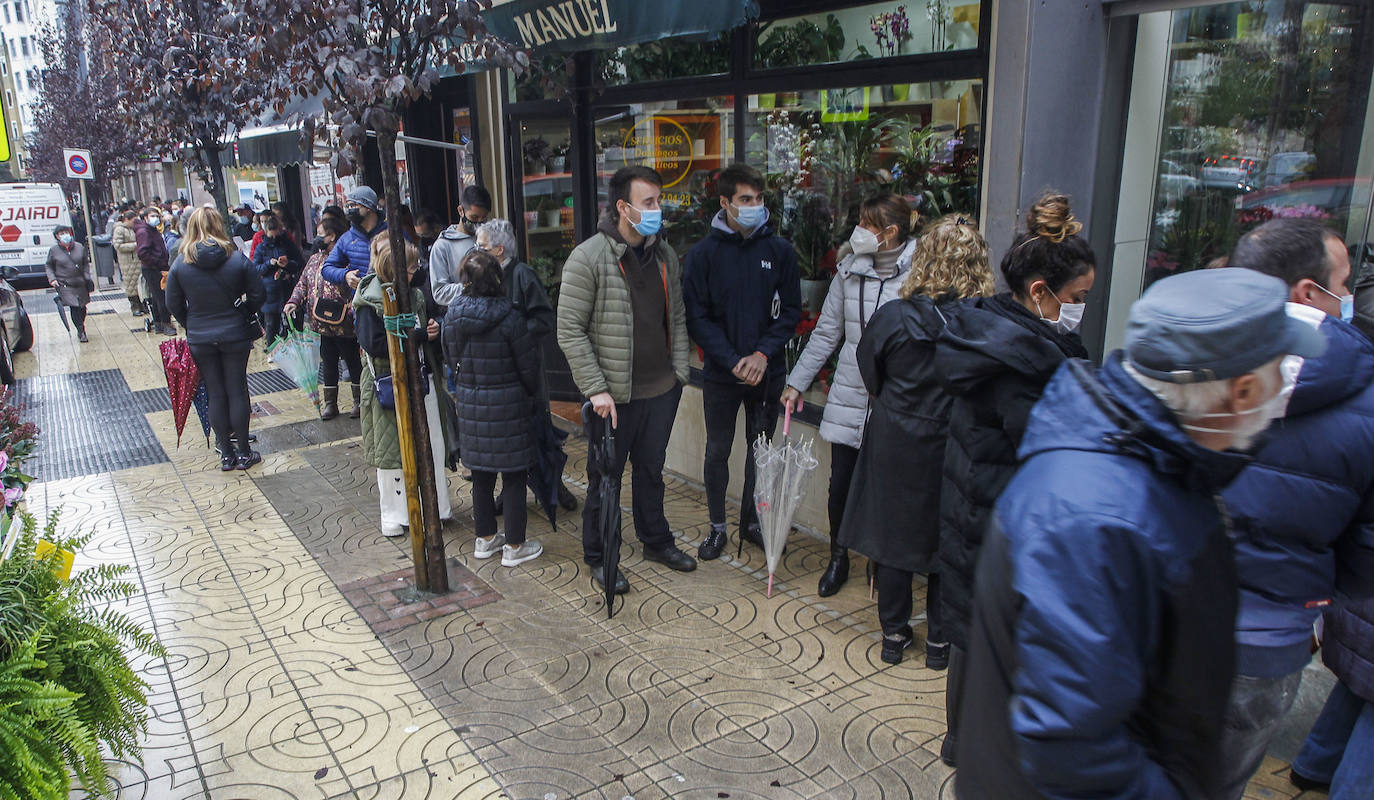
623,328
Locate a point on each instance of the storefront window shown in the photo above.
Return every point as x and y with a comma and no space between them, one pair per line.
823,152
664,60
467,156
1265,116
877,30
687,141
256,188
546,194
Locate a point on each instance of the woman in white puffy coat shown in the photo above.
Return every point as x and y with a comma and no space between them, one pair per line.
870,276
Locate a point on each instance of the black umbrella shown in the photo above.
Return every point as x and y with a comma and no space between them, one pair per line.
62,312
601,446
546,471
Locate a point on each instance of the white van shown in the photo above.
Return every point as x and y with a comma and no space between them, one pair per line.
28,214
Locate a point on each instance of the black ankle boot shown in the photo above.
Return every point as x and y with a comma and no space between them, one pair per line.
836,572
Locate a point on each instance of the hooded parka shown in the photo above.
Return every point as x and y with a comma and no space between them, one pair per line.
201,295
497,385
1101,654
994,359
856,293
444,257
893,513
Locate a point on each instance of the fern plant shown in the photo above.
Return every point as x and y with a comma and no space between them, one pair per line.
59,645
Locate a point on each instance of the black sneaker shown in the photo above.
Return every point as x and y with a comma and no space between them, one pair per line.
937,656
248,459
1307,784
751,534
621,585
894,644
228,461
671,557
711,548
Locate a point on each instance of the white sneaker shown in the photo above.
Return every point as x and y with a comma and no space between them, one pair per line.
486,548
513,555
393,531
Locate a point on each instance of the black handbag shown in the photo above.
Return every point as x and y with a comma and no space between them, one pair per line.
329,311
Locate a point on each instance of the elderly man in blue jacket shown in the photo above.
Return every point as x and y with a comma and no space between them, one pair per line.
1102,647
351,257
1304,511
742,291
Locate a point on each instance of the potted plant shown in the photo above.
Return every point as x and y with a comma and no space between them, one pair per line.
549,211
558,160
537,153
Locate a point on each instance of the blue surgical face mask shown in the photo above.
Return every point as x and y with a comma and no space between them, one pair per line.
1347,303
750,216
65,238
650,220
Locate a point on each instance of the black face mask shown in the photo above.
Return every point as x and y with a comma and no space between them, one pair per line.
428,241
355,216
318,243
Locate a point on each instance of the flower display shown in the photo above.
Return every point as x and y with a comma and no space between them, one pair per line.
891,30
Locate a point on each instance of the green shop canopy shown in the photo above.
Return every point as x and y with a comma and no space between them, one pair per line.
572,25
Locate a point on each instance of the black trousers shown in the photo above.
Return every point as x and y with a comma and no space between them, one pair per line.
156,298
224,368
512,503
78,315
843,460
954,689
894,602
642,437
334,348
272,323
720,404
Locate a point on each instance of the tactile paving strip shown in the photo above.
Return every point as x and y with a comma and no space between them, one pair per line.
90,423
43,304
150,401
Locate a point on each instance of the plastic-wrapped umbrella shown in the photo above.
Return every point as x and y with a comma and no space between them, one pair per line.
201,402
781,471
601,446
183,378
546,471
297,353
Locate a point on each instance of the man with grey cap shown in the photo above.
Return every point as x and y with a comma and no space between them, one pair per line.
351,257
1102,646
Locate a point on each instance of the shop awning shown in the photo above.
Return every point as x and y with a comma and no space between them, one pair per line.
572,25
274,139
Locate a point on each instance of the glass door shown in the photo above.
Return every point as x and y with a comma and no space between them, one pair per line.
545,193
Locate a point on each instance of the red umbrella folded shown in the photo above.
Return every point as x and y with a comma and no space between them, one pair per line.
183,378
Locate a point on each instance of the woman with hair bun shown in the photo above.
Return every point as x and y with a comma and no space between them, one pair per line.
904,442
994,359
868,277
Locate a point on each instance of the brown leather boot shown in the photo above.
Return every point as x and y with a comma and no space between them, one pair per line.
329,402
357,401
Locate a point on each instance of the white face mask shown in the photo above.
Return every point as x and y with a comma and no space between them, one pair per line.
863,241
1252,421
1070,315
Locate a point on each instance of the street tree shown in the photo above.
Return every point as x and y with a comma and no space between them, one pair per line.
369,60
76,108
181,81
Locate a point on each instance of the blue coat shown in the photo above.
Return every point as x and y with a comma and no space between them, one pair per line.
352,251
741,295
277,283
1101,652
1304,512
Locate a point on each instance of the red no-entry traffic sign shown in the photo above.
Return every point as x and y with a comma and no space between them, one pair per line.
78,163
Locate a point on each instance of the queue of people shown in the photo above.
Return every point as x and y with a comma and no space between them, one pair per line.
1124,563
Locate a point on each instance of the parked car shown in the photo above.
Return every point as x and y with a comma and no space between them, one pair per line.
28,214
1286,168
1328,198
1237,173
16,330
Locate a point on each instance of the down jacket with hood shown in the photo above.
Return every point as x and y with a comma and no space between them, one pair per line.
201,295
353,251
1304,511
1101,654
1348,647
856,293
743,294
497,384
994,359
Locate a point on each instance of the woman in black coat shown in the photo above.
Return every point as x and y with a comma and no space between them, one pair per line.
994,359
215,294
893,513
488,344
279,261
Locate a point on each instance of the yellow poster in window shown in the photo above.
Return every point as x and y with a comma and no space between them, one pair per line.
844,105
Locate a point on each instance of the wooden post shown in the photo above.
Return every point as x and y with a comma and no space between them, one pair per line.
426,530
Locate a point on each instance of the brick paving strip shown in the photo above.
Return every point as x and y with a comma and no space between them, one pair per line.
389,602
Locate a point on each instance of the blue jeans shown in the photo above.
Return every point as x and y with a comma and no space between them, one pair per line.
1340,748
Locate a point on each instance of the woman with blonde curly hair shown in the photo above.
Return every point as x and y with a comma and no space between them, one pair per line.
893,515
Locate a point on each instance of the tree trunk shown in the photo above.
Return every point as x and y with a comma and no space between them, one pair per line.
426,533
216,188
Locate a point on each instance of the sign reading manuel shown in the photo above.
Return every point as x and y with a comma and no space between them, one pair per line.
571,25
